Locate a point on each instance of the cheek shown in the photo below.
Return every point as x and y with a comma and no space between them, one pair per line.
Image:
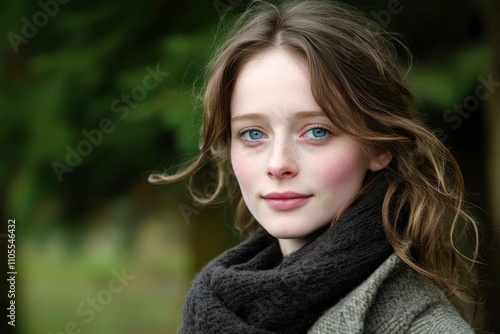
348,171
243,169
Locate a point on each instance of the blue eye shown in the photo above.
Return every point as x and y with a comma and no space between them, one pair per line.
252,135
317,133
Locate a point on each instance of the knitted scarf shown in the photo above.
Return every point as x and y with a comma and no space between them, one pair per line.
251,288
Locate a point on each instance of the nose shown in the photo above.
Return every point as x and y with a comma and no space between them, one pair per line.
282,162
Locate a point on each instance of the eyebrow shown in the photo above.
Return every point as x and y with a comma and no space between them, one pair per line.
257,116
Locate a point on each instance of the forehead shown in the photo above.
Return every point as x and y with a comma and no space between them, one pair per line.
274,80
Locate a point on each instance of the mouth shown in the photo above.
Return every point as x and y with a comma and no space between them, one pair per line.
286,200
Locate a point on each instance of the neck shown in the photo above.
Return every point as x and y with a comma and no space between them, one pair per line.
288,246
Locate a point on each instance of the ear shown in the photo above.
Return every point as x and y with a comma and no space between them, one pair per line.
380,161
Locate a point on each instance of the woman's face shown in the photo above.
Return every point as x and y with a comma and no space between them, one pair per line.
294,168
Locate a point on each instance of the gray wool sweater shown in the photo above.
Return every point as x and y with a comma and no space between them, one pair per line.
394,299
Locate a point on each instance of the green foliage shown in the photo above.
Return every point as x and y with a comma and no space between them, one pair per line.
447,79
64,81
79,67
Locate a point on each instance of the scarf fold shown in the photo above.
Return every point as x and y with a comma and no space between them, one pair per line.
248,290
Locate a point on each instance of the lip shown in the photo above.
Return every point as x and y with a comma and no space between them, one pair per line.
285,200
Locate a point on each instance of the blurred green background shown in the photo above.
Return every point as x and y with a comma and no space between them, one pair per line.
83,121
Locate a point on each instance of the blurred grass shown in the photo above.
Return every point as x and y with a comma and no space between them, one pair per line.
56,277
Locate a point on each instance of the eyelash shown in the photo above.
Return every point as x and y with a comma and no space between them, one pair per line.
244,131
319,126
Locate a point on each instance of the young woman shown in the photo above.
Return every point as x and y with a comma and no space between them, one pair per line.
353,208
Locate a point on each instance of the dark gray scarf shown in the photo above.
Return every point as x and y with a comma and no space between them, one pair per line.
248,290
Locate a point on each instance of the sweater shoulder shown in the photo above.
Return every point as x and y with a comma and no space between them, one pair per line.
394,299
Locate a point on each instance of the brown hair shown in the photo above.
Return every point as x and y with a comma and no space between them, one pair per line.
357,80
